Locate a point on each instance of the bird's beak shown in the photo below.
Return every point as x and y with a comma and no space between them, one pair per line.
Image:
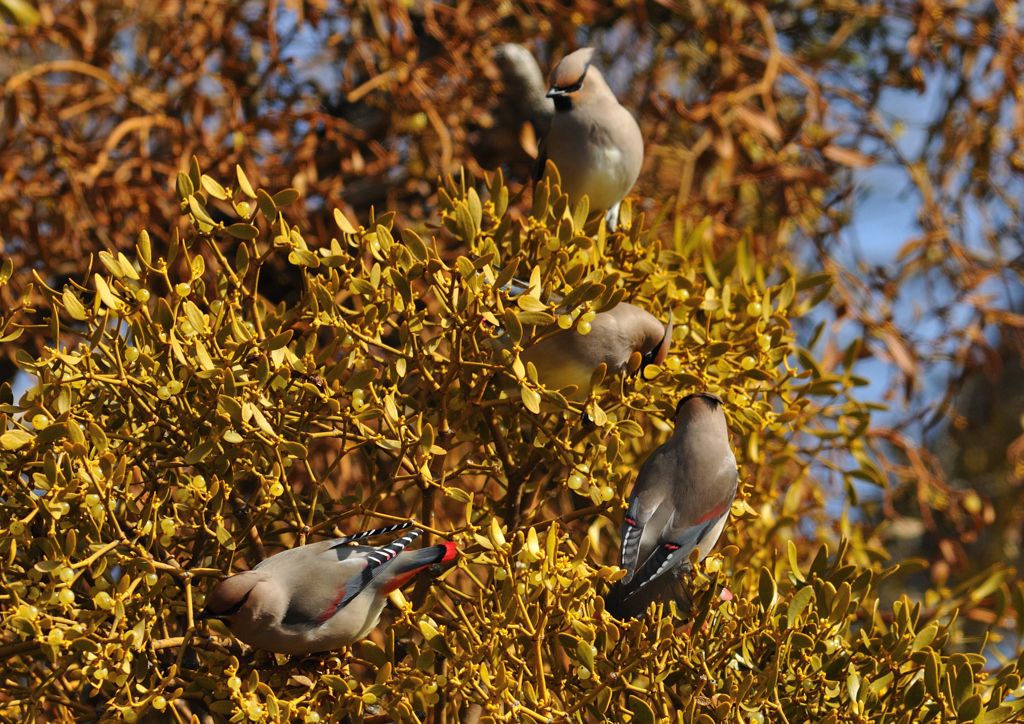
206,615
657,355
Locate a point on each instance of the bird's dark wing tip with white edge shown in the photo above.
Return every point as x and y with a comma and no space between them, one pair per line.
372,533
388,553
375,563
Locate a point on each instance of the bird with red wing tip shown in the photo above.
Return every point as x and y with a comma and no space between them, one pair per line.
681,501
321,596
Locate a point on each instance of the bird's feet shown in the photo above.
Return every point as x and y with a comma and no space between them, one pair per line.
611,218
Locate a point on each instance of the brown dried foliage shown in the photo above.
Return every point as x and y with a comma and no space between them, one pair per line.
756,117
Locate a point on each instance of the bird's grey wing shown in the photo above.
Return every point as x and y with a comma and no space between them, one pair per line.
677,531
631,143
683,532
674,551
647,508
315,593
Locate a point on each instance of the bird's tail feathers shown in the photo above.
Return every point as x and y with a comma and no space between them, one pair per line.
626,602
441,553
412,562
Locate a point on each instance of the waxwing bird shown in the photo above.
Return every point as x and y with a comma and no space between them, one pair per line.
595,142
569,358
681,501
321,596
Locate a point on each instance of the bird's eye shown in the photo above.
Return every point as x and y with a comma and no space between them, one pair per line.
237,607
574,87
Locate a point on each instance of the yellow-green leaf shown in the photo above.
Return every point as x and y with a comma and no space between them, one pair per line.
213,188
106,295
415,244
531,400
14,439
73,305
194,316
629,428
465,229
112,265
243,231
536,319
304,257
199,211
931,674
970,709
243,182
513,328
98,437
203,356
266,205
530,303
794,565
766,589
126,266
642,711
199,452
798,641
285,198
6,271
797,605
343,223
184,186
475,207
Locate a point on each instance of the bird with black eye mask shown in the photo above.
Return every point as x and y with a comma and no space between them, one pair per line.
595,142
320,596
